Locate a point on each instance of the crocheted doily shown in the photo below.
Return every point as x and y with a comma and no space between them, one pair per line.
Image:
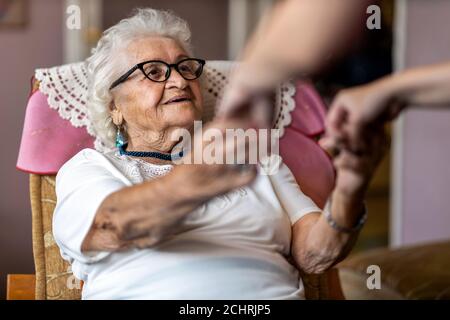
66,89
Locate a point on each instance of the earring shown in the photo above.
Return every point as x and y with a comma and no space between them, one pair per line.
120,140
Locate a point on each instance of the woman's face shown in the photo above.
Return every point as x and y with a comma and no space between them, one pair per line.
148,116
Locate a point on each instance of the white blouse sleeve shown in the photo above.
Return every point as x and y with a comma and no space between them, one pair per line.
291,197
82,184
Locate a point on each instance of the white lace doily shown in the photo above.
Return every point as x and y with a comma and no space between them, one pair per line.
66,89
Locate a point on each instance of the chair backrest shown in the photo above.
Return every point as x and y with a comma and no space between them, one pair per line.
56,127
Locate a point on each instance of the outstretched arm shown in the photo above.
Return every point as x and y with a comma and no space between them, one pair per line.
296,37
355,110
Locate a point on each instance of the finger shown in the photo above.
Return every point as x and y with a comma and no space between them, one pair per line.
329,145
369,138
350,161
356,133
337,136
133,232
337,114
144,242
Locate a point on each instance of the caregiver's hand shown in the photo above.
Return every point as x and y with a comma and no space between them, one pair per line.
356,112
355,170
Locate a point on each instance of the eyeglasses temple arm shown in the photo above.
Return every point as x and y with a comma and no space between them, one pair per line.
123,77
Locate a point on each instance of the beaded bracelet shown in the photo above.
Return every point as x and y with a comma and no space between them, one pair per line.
336,226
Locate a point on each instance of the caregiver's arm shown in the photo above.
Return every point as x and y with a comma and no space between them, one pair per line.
316,245
295,37
355,109
423,85
303,35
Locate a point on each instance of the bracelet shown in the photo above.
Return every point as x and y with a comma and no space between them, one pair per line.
336,226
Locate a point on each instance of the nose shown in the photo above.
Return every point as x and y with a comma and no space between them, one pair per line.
176,80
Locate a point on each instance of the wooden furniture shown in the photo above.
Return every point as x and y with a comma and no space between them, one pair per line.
20,287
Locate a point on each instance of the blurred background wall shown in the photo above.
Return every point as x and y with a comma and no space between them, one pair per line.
420,208
22,49
208,21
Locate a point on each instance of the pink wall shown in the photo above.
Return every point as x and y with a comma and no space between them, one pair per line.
426,146
39,44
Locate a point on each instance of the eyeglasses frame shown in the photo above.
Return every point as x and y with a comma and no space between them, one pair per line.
140,66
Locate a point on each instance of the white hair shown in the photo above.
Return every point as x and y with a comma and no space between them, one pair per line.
104,65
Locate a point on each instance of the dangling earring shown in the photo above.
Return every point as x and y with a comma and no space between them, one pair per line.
120,140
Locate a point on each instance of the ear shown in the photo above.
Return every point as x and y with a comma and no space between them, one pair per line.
116,115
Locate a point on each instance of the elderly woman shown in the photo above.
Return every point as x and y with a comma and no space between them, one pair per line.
136,225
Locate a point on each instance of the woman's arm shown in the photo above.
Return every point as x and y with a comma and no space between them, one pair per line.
316,245
141,215
145,214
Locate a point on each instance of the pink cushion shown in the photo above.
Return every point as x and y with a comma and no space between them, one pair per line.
48,141
309,163
309,115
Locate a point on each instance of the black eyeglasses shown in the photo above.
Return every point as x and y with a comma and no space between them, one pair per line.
159,71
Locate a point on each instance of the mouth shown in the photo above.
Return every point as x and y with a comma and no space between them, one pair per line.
179,99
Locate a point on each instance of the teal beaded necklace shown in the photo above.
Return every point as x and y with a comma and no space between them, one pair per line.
122,146
152,154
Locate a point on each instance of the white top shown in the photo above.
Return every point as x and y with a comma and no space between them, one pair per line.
233,247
